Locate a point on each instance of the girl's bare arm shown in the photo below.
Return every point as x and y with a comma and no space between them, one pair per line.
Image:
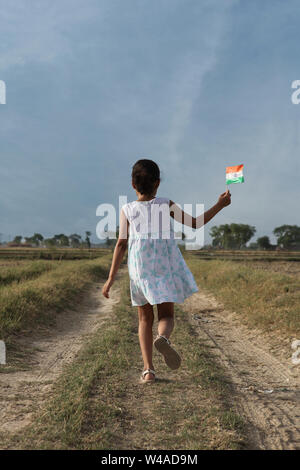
118,255
196,222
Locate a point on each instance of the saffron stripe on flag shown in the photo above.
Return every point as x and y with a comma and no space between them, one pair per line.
234,169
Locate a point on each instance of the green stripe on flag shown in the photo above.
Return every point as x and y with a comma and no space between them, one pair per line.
240,179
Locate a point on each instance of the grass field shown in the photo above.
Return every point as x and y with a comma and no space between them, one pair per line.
52,253
265,295
249,255
32,292
97,403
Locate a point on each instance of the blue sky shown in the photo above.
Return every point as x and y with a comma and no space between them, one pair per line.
196,85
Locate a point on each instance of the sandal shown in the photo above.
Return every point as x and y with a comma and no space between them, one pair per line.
144,373
172,358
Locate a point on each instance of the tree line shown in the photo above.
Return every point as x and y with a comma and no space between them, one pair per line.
227,236
236,236
61,240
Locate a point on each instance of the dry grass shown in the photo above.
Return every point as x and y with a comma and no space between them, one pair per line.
98,402
19,271
283,267
264,298
53,253
34,292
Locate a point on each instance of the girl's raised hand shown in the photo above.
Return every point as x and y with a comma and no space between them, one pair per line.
106,288
225,199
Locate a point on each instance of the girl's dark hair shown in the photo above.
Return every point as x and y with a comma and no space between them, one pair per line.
145,173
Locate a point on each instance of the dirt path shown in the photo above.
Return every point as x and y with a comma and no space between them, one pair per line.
266,384
24,392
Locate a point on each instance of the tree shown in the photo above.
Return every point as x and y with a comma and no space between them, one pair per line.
75,240
50,242
288,236
221,236
233,236
61,240
87,239
264,243
36,239
242,233
18,239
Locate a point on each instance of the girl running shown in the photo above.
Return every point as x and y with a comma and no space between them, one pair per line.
157,271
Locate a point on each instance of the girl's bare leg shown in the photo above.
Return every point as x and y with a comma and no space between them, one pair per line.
165,313
146,317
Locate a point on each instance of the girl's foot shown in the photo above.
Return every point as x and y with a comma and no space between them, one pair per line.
148,376
172,358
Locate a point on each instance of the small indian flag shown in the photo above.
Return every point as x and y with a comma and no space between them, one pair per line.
234,174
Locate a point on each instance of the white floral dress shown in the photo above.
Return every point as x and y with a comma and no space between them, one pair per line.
157,270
